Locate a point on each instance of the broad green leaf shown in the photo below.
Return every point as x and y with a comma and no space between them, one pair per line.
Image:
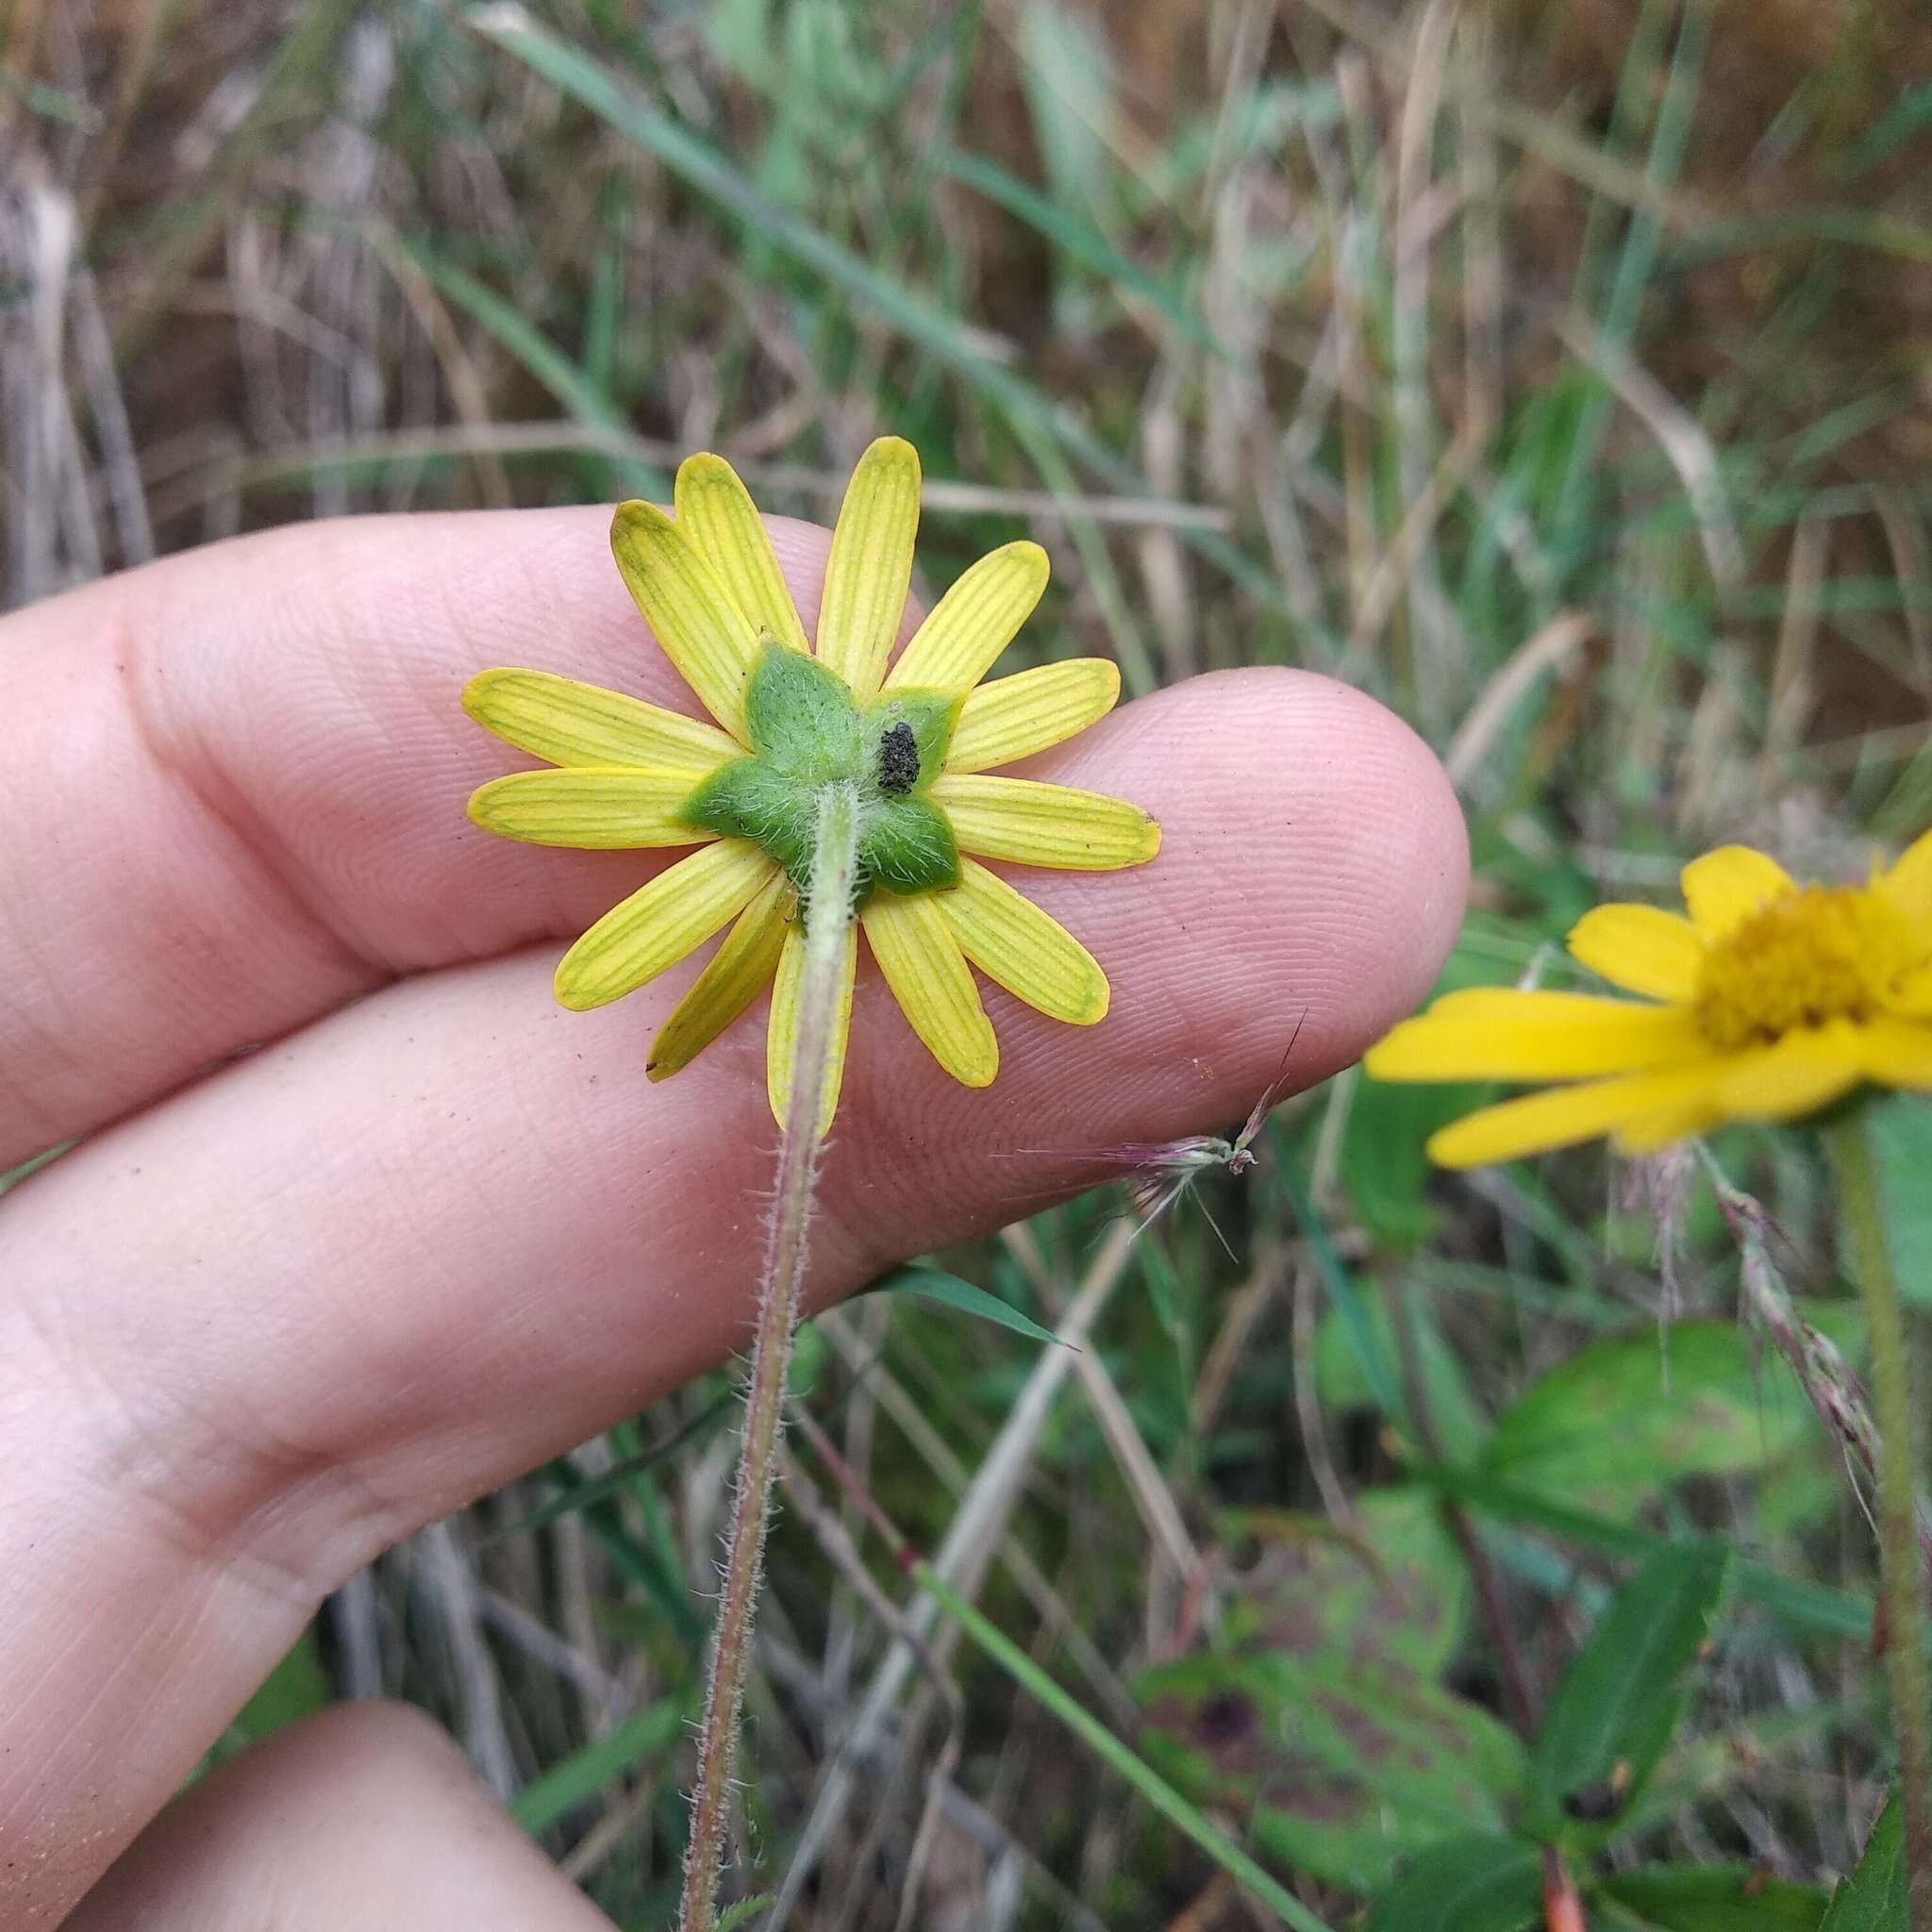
933,1285
1620,1699
1714,1898
1393,1588
1872,1899
1901,1136
1340,1770
581,1776
1476,1884
1626,1416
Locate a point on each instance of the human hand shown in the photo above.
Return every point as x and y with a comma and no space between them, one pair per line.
277,1313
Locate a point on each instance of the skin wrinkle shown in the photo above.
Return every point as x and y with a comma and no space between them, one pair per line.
301,1241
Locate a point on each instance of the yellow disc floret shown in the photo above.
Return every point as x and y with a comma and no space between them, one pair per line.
1810,956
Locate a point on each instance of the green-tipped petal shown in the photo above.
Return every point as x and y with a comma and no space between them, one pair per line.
1014,717
660,922
716,508
974,620
1021,948
926,970
733,977
591,806
1045,824
870,568
688,608
571,723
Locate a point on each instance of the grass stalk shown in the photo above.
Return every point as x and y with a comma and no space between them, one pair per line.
1900,1571
827,916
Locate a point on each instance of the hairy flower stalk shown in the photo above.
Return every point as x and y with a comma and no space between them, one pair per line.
828,914
1898,1544
840,786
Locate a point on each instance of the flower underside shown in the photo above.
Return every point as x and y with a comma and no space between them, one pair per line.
804,719
807,733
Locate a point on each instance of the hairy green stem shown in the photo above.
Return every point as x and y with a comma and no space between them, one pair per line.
1900,1570
828,916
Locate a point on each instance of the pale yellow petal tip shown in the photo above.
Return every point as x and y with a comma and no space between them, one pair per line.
569,992
1094,1011
890,451
702,466
476,693
1444,1149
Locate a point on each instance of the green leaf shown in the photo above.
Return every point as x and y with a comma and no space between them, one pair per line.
1619,1703
1342,1770
1714,1898
1392,1587
1075,238
1626,1416
1476,1884
934,1285
1901,1138
581,1776
742,1913
1872,1899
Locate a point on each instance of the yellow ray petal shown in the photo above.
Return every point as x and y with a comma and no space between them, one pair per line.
1726,887
689,609
592,806
725,524
1641,948
1652,1132
1566,1115
1014,717
733,977
929,977
1492,1033
781,1038
1898,1052
1909,881
871,564
1912,995
660,922
1044,824
973,622
573,723
1803,1072
1013,941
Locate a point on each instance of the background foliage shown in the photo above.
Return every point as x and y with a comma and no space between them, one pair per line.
1557,373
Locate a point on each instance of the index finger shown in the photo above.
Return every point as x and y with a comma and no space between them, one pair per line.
235,794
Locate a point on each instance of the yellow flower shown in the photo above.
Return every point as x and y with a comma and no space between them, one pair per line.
917,741
1777,1000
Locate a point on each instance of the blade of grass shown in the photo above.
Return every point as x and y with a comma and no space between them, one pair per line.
584,1772
940,335
1151,1785
1073,237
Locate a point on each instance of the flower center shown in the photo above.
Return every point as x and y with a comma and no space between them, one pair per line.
1813,955
808,733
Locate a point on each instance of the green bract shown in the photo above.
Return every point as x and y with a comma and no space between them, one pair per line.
807,732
